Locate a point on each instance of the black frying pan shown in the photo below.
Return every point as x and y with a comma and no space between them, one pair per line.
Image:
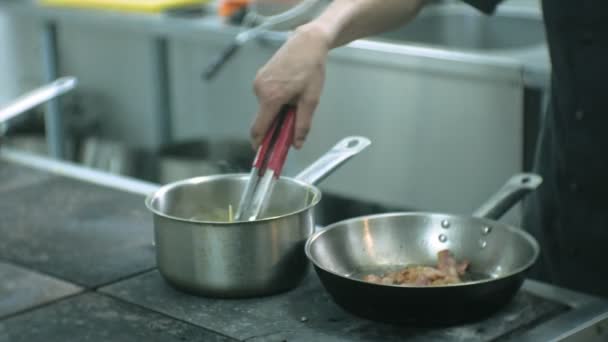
499,256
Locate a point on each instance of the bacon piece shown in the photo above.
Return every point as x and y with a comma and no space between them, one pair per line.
448,264
372,278
448,271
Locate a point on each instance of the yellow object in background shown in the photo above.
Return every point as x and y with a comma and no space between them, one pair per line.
142,6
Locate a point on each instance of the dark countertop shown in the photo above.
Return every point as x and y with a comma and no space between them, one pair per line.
77,264
58,232
94,317
83,233
308,314
22,289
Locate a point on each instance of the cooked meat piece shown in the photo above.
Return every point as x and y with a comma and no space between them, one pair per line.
448,264
448,271
462,267
388,280
372,278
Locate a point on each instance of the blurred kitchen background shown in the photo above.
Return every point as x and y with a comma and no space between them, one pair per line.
451,102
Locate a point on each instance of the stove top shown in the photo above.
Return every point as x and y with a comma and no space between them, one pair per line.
48,225
307,313
539,312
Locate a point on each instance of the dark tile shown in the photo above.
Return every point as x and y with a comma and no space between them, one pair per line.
94,317
308,314
75,231
21,289
15,176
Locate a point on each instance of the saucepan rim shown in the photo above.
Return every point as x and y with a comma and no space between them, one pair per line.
317,194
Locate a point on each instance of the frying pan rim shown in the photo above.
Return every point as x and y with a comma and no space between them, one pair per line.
200,179
527,236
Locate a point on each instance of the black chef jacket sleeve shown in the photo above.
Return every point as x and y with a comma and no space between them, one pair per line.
486,6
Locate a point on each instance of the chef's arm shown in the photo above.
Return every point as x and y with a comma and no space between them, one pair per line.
346,20
296,72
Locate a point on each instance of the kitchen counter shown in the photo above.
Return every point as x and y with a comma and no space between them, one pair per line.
77,263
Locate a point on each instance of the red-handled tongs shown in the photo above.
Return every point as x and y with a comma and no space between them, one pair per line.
267,165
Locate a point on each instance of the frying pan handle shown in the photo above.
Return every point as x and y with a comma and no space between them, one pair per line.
510,194
333,159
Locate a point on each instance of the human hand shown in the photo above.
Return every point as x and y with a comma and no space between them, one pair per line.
294,75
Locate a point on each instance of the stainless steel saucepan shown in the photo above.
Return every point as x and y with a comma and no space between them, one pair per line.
499,255
199,249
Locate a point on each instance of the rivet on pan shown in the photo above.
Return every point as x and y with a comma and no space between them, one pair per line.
486,230
445,224
482,243
443,238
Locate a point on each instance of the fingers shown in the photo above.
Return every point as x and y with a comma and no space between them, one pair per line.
288,78
305,111
268,112
307,105
263,120
270,98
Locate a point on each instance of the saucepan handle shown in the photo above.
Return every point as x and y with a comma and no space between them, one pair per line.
333,159
516,188
34,98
